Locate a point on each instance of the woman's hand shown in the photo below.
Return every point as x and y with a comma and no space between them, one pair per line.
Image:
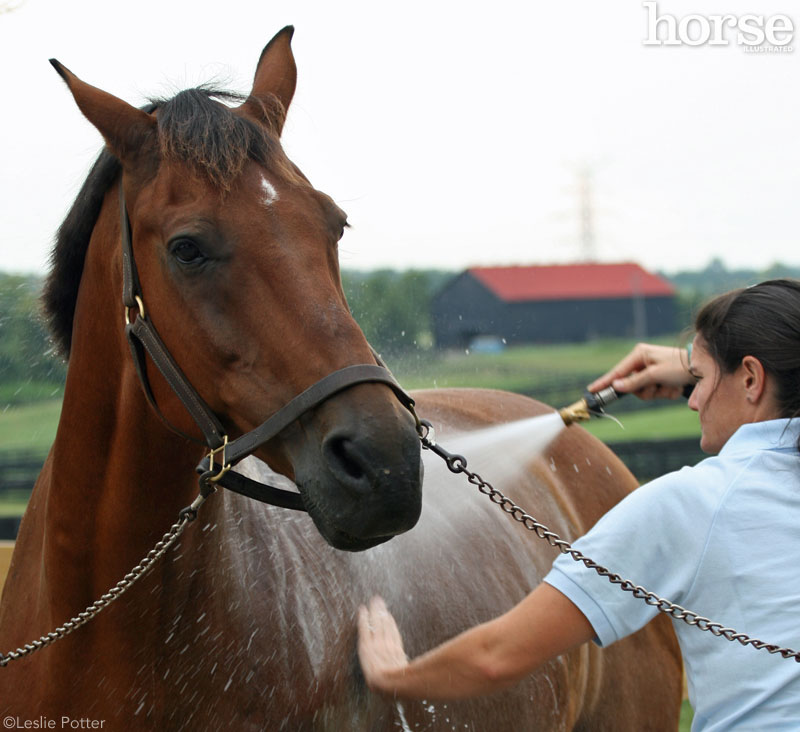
489,657
650,372
380,647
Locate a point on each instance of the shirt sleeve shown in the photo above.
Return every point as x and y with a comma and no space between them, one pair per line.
655,538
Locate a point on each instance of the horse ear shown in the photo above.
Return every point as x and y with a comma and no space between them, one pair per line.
126,129
276,77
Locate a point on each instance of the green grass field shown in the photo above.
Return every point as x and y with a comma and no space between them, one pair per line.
514,369
12,508
663,423
30,426
14,393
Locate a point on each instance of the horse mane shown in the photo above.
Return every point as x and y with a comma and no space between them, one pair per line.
194,127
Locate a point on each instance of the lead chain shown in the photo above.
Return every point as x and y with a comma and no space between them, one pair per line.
458,464
186,516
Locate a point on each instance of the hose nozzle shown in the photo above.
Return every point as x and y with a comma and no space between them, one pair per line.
577,412
590,405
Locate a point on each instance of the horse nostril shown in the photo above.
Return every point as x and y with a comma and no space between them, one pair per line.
343,456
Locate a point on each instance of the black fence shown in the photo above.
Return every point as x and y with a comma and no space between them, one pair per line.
649,459
18,473
9,527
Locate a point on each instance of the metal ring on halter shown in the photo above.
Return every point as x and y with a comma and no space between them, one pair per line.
211,464
139,304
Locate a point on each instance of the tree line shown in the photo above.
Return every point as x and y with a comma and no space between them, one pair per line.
392,307
696,286
29,367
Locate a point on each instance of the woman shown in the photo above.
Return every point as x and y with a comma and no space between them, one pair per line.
721,538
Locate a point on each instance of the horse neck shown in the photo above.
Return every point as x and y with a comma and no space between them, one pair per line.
117,477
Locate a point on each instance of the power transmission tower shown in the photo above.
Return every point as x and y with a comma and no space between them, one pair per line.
588,252
6,6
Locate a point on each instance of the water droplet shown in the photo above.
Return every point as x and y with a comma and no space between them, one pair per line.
401,714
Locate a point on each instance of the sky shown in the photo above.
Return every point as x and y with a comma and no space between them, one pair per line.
454,134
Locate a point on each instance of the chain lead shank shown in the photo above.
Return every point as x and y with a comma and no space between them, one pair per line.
458,464
186,516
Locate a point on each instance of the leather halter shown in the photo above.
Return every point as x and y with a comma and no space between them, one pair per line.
144,341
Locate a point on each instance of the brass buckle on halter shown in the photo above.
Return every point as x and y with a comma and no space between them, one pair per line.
211,463
139,305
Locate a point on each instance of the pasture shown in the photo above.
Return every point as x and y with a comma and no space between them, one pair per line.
30,427
517,368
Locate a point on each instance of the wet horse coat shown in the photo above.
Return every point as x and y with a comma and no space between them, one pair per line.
250,622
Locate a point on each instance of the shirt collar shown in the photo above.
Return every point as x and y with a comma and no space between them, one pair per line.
770,435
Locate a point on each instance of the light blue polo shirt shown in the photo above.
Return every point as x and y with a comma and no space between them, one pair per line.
721,539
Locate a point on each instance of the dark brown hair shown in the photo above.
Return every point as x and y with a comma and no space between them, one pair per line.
762,321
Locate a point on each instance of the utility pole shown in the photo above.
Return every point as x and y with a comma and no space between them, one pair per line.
639,308
588,251
6,6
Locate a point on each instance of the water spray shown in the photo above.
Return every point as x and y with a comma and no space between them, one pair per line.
591,404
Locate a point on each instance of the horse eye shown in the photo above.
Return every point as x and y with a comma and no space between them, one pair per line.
186,251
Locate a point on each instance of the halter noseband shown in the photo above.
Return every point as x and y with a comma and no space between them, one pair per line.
144,341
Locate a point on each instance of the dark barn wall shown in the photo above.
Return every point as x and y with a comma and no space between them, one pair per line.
568,321
465,309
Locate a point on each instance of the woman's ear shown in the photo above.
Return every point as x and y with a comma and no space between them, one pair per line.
754,379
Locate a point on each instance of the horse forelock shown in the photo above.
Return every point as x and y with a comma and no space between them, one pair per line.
197,128
194,128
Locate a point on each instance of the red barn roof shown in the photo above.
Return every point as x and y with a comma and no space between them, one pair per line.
571,282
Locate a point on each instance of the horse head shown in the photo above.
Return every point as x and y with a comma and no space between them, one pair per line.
236,254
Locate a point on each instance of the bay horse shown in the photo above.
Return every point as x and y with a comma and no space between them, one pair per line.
249,622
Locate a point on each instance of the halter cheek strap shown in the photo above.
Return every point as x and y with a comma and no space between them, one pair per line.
144,341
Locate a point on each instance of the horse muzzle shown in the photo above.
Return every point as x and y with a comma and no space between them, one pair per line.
359,470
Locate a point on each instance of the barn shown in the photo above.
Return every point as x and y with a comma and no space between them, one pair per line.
552,304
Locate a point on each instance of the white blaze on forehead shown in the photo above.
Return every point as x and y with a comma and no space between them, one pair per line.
268,193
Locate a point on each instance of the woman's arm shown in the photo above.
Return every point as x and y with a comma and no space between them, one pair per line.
486,658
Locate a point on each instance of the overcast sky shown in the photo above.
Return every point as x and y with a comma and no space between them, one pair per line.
452,133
